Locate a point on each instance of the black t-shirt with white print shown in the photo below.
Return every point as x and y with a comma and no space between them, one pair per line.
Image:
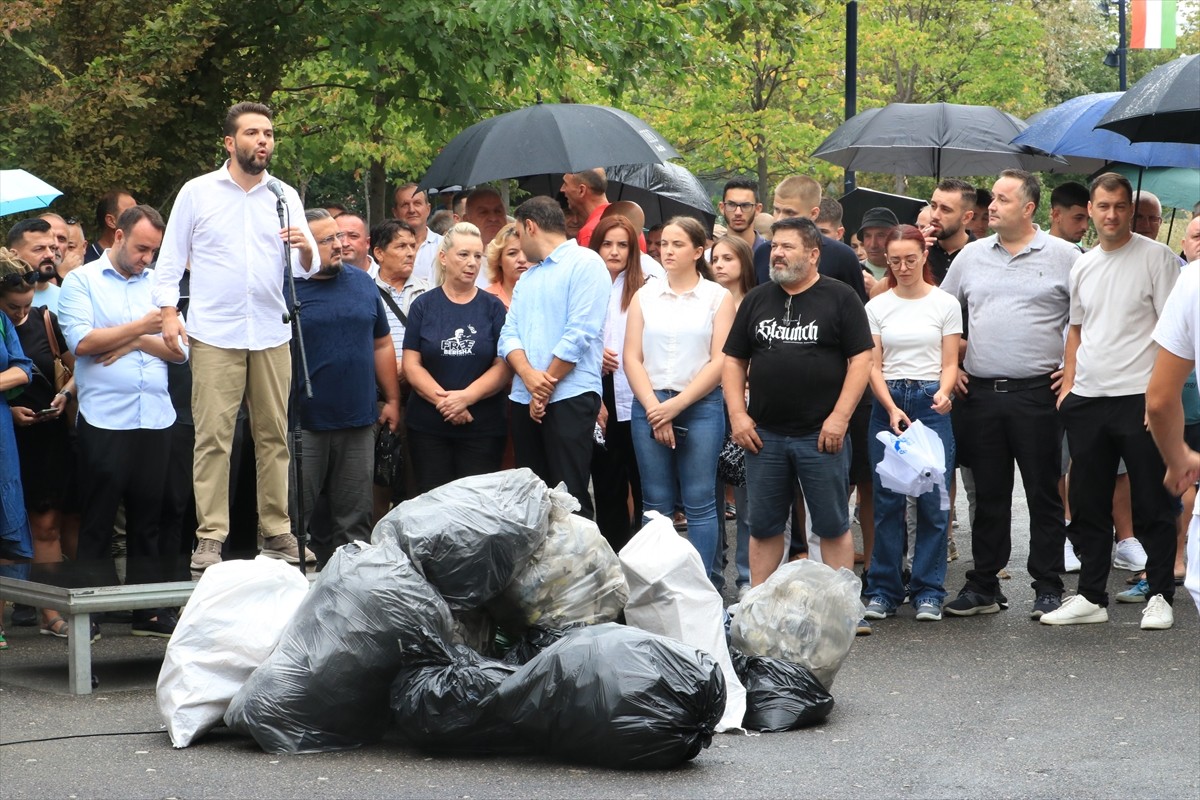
797,346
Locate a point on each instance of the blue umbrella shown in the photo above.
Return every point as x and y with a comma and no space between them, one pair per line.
1069,130
21,191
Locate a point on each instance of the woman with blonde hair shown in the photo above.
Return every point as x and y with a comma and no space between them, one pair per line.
455,415
505,263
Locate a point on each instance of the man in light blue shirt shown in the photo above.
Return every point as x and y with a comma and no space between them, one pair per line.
113,326
552,340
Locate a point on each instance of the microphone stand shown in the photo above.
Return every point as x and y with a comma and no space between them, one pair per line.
300,377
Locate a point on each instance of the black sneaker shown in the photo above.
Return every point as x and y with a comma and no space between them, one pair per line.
969,603
163,626
24,616
1001,600
1044,604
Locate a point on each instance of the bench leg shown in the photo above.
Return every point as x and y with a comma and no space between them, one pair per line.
79,653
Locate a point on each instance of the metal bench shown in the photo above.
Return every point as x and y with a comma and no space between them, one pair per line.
76,604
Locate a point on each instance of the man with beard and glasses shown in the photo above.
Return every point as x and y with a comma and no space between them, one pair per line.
350,352
739,206
33,241
950,213
800,334
113,326
225,226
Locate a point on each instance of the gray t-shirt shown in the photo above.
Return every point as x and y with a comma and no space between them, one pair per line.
1117,297
1016,306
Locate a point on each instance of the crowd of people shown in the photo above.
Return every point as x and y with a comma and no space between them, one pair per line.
753,375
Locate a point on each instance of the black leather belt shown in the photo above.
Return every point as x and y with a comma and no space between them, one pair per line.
1008,384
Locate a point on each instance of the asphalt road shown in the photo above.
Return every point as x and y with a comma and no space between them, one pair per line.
995,706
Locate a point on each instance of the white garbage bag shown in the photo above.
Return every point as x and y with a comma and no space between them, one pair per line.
805,613
670,594
914,462
231,624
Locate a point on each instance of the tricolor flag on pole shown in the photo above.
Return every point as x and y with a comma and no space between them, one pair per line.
1153,24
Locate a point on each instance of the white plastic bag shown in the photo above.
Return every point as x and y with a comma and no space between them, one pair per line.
914,462
805,613
670,594
231,624
574,577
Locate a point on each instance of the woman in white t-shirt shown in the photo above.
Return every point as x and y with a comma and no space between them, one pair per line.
674,337
917,328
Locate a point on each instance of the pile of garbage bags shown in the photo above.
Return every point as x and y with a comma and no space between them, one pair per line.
483,618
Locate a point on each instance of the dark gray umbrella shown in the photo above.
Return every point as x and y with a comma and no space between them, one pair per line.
662,190
1164,106
858,201
544,138
938,139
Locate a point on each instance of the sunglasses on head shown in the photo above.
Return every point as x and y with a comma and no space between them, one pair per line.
14,279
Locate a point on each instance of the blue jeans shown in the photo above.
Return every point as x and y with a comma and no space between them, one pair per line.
884,582
691,466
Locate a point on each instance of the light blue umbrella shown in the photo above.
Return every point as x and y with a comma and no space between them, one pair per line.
1069,130
20,191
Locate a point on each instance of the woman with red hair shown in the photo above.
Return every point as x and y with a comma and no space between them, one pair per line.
917,328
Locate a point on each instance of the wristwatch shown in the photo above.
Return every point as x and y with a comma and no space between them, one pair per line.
67,394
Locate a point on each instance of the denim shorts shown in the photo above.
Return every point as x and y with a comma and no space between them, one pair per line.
771,476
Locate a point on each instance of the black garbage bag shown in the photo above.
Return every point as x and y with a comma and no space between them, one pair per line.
468,537
617,697
451,708
531,643
325,687
780,695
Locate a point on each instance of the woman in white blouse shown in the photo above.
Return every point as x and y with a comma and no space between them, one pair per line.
674,337
614,464
917,328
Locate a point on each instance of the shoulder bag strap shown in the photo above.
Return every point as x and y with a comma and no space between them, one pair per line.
387,298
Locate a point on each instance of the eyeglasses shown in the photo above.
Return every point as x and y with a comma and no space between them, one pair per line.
742,207
339,236
908,261
14,279
71,220
1140,217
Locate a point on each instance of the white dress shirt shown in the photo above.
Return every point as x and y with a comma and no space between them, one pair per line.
426,256
231,239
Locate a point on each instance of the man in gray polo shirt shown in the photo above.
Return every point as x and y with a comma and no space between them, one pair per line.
1014,289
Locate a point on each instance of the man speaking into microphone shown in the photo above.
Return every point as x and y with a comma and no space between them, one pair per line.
226,226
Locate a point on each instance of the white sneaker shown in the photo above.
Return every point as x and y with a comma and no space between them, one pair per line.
1076,610
1129,555
1157,616
1070,560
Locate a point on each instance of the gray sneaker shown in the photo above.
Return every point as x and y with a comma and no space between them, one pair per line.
877,610
286,547
208,552
929,611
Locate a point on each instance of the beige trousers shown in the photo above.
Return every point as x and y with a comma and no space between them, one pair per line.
220,378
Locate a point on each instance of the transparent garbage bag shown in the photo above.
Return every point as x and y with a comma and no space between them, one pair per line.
805,613
574,577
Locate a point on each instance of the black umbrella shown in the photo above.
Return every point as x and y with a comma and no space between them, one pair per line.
662,190
544,138
1164,106
938,139
856,203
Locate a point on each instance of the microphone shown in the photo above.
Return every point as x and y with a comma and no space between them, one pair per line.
276,188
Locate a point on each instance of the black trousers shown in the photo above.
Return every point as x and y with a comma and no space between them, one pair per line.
177,536
614,475
1100,432
1000,429
115,467
559,448
438,460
